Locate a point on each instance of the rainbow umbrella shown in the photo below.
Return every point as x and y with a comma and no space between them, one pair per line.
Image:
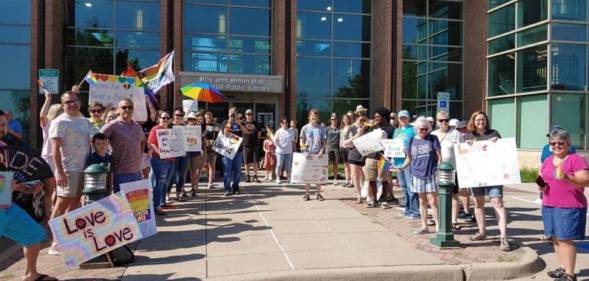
202,92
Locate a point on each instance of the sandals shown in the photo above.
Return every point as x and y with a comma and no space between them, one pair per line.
478,237
320,197
371,205
359,200
456,227
193,193
385,205
557,273
306,197
566,277
45,277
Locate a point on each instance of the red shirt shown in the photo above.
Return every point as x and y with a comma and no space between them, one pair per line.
152,139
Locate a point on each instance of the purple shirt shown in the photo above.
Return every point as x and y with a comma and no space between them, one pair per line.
424,159
561,193
125,139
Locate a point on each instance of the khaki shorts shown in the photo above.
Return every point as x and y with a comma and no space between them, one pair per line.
196,162
372,172
74,187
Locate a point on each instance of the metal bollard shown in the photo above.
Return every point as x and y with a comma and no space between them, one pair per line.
445,236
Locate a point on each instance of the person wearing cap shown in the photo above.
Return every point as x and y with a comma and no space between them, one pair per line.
480,130
393,120
453,123
251,146
406,133
431,121
547,150
195,159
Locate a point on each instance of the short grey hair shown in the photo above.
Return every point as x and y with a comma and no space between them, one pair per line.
560,134
421,122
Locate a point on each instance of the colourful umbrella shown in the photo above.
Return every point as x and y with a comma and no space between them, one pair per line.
202,92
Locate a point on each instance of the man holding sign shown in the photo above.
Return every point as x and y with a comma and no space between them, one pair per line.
232,167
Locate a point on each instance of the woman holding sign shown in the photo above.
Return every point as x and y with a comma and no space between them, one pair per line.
161,169
564,176
480,131
196,159
312,143
354,157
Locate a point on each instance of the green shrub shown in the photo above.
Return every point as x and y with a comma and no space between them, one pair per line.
528,174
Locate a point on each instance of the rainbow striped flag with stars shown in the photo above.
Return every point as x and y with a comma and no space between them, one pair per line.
160,74
384,164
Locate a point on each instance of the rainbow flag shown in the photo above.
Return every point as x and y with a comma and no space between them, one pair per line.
90,78
130,72
160,74
384,164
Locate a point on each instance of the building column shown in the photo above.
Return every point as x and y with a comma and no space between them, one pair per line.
382,54
291,59
475,52
397,73
279,50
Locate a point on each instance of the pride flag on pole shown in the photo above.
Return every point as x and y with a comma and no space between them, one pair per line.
160,74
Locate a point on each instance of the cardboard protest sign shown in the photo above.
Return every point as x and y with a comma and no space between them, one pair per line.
501,165
227,145
370,143
95,229
310,169
171,142
111,89
140,197
25,162
190,106
6,189
393,148
192,138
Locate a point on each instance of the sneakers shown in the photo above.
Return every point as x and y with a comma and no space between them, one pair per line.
478,237
237,192
256,180
306,197
227,193
320,197
249,179
385,205
277,181
54,250
505,245
211,186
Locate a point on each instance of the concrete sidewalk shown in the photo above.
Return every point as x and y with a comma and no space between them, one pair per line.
270,233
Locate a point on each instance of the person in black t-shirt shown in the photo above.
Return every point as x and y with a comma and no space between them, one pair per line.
232,167
251,146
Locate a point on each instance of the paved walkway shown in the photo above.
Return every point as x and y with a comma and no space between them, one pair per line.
269,230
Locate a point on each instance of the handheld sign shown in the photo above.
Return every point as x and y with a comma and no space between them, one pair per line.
192,137
227,145
444,102
48,81
111,89
370,143
171,142
393,148
6,189
25,162
140,197
309,169
95,229
501,165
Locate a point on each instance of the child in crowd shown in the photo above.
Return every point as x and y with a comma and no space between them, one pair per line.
100,156
269,157
285,141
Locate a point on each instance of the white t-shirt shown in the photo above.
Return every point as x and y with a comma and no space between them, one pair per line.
447,143
75,132
283,140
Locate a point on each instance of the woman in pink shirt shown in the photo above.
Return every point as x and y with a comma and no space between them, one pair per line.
564,209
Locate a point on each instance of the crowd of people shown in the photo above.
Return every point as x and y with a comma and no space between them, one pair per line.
131,150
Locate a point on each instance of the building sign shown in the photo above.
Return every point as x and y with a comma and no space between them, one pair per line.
236,83
444,102
49,80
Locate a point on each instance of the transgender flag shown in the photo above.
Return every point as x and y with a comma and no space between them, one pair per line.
160,74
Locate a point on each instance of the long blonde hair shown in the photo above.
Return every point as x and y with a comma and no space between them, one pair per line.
54,111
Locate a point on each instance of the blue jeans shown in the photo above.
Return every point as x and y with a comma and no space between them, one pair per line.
162,172
125,178
179,173
411,198
232,172
283,161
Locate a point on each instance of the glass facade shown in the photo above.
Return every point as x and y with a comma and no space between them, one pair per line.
227,36
541,75
432,55
15,54
333,55
105,35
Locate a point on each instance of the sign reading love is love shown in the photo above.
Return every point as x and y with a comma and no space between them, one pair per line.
111,89
95,229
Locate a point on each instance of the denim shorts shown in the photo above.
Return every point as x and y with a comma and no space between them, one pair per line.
17,225
495,191
564,223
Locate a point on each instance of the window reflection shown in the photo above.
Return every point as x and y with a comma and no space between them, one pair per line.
501,75
313,26
313,77
15,69
501,21
531,69
138,15
350,78
568,67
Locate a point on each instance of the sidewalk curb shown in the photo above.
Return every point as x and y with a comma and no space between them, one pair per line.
529,264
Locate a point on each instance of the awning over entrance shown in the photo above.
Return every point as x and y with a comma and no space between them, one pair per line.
236,83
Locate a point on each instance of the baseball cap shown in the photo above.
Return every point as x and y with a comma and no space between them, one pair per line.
404,113
431,119
191,115
462,124
360,108
453,122
249,111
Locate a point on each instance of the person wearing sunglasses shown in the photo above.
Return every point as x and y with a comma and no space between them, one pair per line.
393,120
406,132
448,138
96,111
564,208
162,170
480,131
424,155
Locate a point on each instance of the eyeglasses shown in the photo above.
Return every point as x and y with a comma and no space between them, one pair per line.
71,102
127,107
442,120
393,118
165,117
96,111
179,114
333,119
423,129
560,143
